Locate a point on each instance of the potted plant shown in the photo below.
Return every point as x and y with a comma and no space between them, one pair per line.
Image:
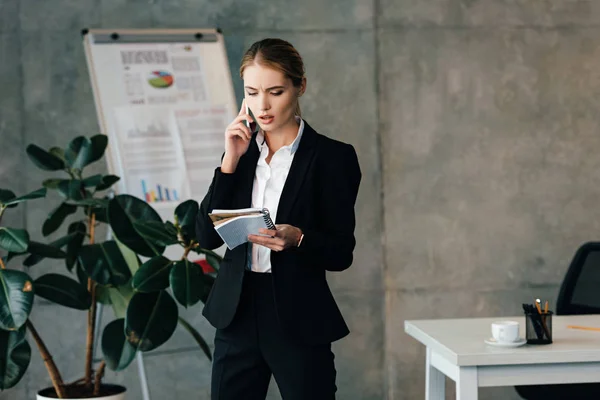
143,295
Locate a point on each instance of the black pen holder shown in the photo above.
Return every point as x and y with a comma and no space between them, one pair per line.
538,328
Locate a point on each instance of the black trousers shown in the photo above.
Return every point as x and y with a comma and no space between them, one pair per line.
254,346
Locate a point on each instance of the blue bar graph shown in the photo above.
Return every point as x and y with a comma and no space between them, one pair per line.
161,194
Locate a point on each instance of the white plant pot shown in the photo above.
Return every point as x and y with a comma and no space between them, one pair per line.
120,395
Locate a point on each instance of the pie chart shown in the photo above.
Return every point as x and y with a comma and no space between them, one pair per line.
160,79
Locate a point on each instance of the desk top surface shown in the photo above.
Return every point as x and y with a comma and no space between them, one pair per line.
461,341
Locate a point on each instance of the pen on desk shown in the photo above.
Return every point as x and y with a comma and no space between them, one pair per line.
583,328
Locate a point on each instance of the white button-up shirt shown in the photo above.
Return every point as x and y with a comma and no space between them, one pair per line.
269,180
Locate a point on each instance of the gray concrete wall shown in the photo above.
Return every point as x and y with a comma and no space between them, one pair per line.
476,129
489,130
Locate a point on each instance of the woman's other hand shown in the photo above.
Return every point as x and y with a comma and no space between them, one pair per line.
281,238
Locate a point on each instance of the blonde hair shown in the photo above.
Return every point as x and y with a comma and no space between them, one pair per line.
277,54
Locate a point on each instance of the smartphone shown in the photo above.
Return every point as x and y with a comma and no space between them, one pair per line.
250,125
247,112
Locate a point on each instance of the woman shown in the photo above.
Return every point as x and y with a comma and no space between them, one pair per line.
270,303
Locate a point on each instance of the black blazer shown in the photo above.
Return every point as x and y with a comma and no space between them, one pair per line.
318,197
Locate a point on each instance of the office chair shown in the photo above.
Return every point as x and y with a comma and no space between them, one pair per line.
579,294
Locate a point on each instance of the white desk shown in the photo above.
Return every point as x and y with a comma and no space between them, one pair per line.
455,348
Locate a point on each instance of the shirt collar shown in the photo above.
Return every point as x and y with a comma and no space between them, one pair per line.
260,137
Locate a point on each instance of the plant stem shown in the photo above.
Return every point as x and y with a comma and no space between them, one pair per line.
186,252
57,381
91,315
98,378
2,264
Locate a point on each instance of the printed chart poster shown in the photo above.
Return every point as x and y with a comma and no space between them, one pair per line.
165,107
151,154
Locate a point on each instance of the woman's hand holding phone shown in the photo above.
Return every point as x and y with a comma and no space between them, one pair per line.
237,139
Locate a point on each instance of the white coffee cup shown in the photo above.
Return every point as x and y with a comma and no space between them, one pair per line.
505,331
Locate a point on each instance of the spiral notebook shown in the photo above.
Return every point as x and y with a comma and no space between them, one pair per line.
234,226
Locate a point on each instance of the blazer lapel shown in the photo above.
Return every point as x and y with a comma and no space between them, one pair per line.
297,174
248,166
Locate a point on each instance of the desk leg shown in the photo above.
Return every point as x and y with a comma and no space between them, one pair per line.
466,384
435,381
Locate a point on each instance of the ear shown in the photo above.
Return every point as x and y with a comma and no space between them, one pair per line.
302,87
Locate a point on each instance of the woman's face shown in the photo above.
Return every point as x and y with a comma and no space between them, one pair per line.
271,96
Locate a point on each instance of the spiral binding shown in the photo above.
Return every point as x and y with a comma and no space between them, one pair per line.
267,218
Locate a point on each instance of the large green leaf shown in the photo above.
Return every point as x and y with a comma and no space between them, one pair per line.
101,214
170,228
99,143
83,151
30,196
63,290
104,263
78,230
151,320
186,282
82,276
45,250
40,251
6,195
16,298
43,159
92,181
15,240
107,181
153,275
15,355
214,262
197,337
117,297
57,152
133,262
78,152
209,281
157,232
72,189
118,352
57,217
185,217
127,215
89,201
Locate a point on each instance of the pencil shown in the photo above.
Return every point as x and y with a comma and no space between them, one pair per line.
584,328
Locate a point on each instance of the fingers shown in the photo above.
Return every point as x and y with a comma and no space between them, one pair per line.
270,232
239,129
243,107
246,131
245,119
274,244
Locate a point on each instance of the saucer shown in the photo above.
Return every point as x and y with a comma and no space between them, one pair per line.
493,342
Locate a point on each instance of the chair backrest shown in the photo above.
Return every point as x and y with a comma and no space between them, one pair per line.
580,289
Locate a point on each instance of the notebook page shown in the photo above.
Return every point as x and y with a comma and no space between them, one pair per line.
235,231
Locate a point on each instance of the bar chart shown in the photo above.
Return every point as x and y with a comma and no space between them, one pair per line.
159,194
